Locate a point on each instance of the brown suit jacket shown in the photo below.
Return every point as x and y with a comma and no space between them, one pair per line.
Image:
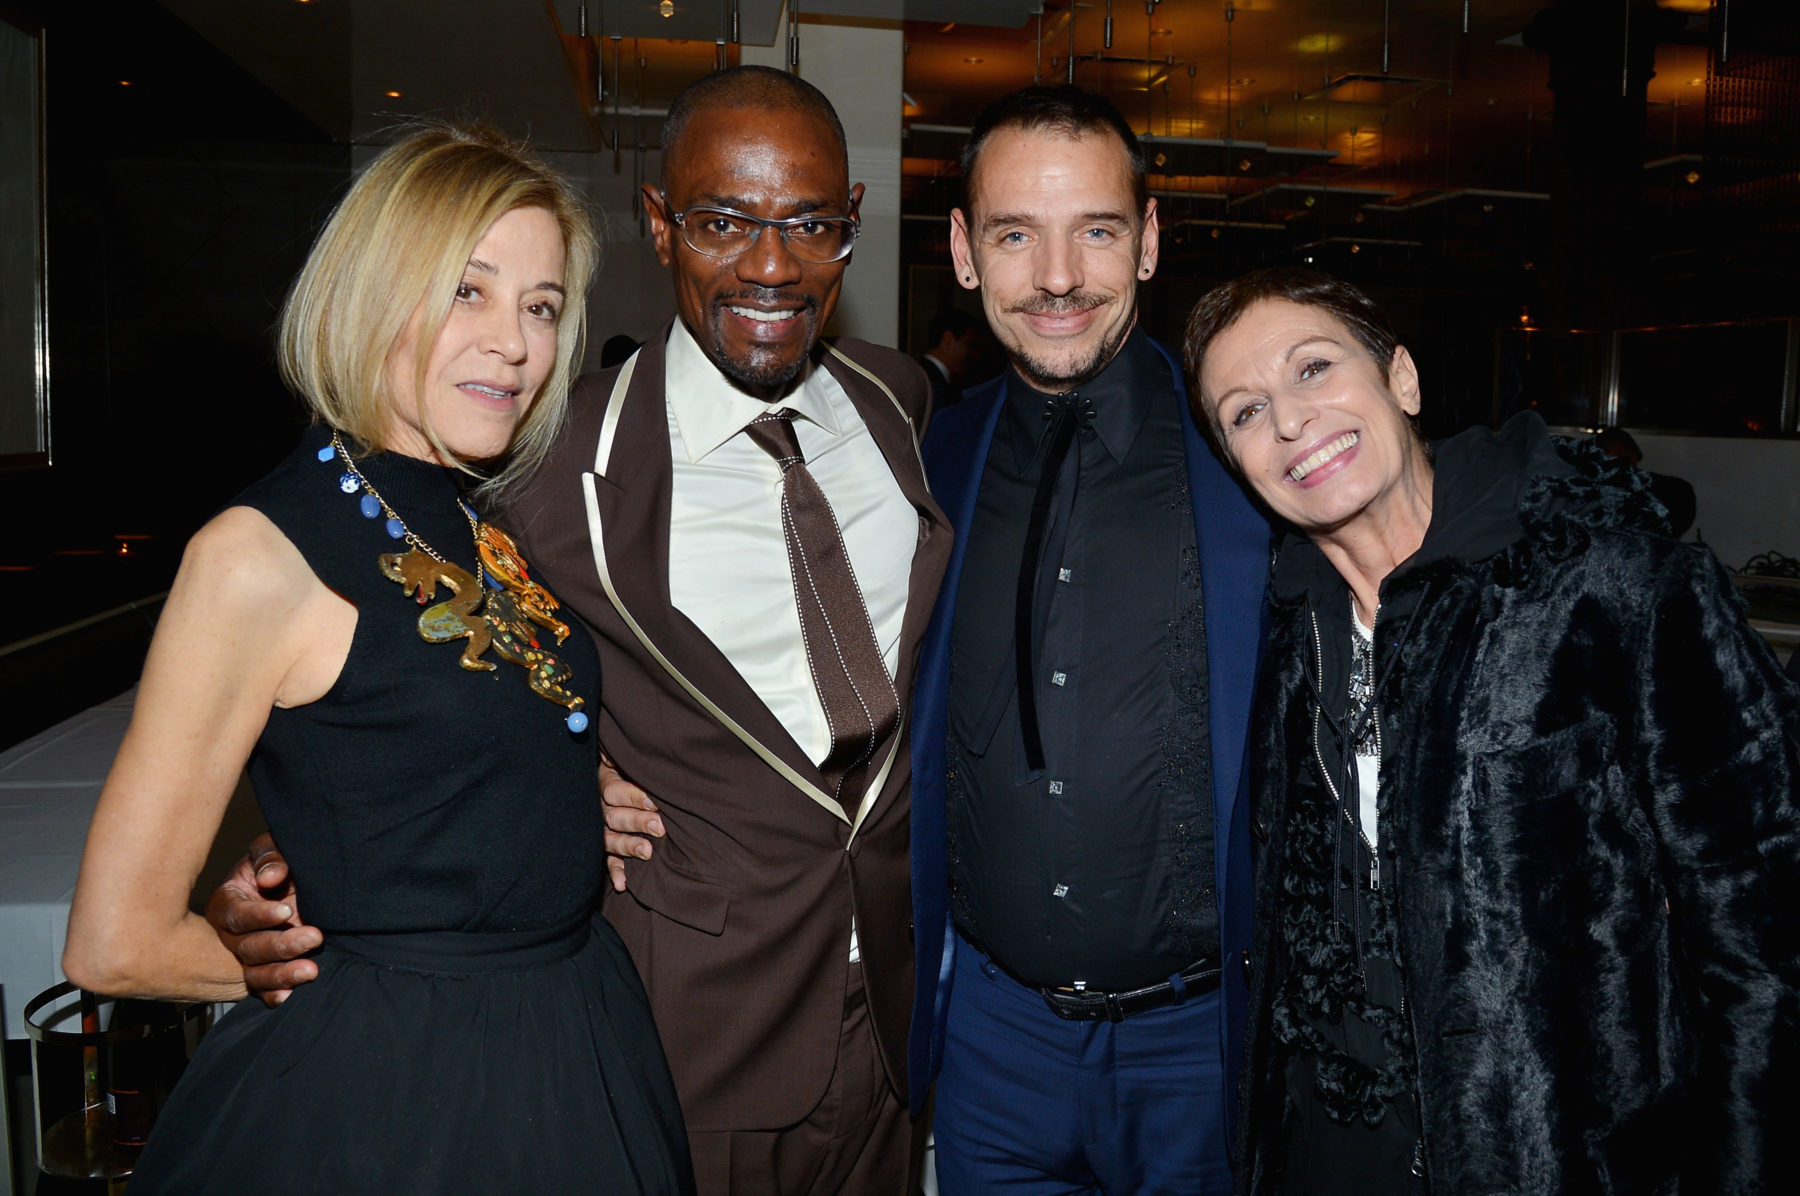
740,923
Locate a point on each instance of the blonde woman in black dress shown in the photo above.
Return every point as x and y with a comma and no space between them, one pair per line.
413,710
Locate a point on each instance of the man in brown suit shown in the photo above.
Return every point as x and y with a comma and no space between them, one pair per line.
771,925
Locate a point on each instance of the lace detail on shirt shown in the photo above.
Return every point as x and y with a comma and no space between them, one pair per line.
1360,719
1325,974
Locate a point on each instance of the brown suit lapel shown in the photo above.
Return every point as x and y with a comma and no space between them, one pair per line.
894,433
628,492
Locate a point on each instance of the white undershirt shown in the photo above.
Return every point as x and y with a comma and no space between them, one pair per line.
1368,768
728,561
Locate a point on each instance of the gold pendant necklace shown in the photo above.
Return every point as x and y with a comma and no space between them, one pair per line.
504,614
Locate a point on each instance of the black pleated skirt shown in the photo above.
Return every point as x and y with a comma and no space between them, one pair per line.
437,1062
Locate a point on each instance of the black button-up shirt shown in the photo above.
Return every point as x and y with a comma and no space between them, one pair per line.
1100,867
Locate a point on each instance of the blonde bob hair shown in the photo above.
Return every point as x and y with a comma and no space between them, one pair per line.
396,247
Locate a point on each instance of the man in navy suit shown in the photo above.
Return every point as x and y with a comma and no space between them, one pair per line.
1080,849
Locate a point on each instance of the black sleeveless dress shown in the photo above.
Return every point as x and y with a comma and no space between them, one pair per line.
474,1027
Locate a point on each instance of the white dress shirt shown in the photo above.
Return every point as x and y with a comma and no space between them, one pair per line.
728,561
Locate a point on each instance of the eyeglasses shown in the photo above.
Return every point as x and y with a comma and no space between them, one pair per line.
725,232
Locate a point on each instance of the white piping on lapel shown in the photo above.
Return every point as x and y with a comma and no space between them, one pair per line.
609,426
883,388
874,789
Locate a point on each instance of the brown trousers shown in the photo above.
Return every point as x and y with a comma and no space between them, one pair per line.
858,1140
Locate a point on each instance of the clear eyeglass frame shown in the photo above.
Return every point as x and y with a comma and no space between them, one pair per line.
849,227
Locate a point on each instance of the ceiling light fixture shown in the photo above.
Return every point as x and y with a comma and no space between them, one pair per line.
392,95
974,61
666,8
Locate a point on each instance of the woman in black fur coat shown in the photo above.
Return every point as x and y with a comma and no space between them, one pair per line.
1528,855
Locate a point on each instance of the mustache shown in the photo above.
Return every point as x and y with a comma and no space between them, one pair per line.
769,296
1073,303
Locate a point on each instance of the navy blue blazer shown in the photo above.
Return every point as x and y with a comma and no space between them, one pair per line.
1233,540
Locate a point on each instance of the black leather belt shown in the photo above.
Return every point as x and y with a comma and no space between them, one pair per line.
1080,1005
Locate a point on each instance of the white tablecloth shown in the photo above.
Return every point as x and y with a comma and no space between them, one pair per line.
48,787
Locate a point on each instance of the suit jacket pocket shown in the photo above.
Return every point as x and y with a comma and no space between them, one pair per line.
681,896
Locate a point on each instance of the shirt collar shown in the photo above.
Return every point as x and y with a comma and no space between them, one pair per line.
1121,394
710,409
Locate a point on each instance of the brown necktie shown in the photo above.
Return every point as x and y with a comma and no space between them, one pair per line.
861,706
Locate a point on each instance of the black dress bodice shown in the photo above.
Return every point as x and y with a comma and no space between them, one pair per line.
417,795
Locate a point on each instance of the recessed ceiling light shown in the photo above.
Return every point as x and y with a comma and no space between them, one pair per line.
1695,82
392,95
124,82
666,8
974,61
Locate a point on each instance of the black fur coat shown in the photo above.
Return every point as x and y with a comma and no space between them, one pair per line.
1588,814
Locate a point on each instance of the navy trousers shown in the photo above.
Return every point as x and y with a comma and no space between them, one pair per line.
1031,1104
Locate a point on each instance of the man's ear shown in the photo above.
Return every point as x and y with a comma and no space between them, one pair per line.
1152,244
962,252
662,230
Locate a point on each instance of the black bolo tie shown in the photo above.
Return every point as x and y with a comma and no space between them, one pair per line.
1067,414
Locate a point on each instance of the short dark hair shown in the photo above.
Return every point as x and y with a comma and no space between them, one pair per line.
748,87
1617,442
1226,303
1066,109
953,320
